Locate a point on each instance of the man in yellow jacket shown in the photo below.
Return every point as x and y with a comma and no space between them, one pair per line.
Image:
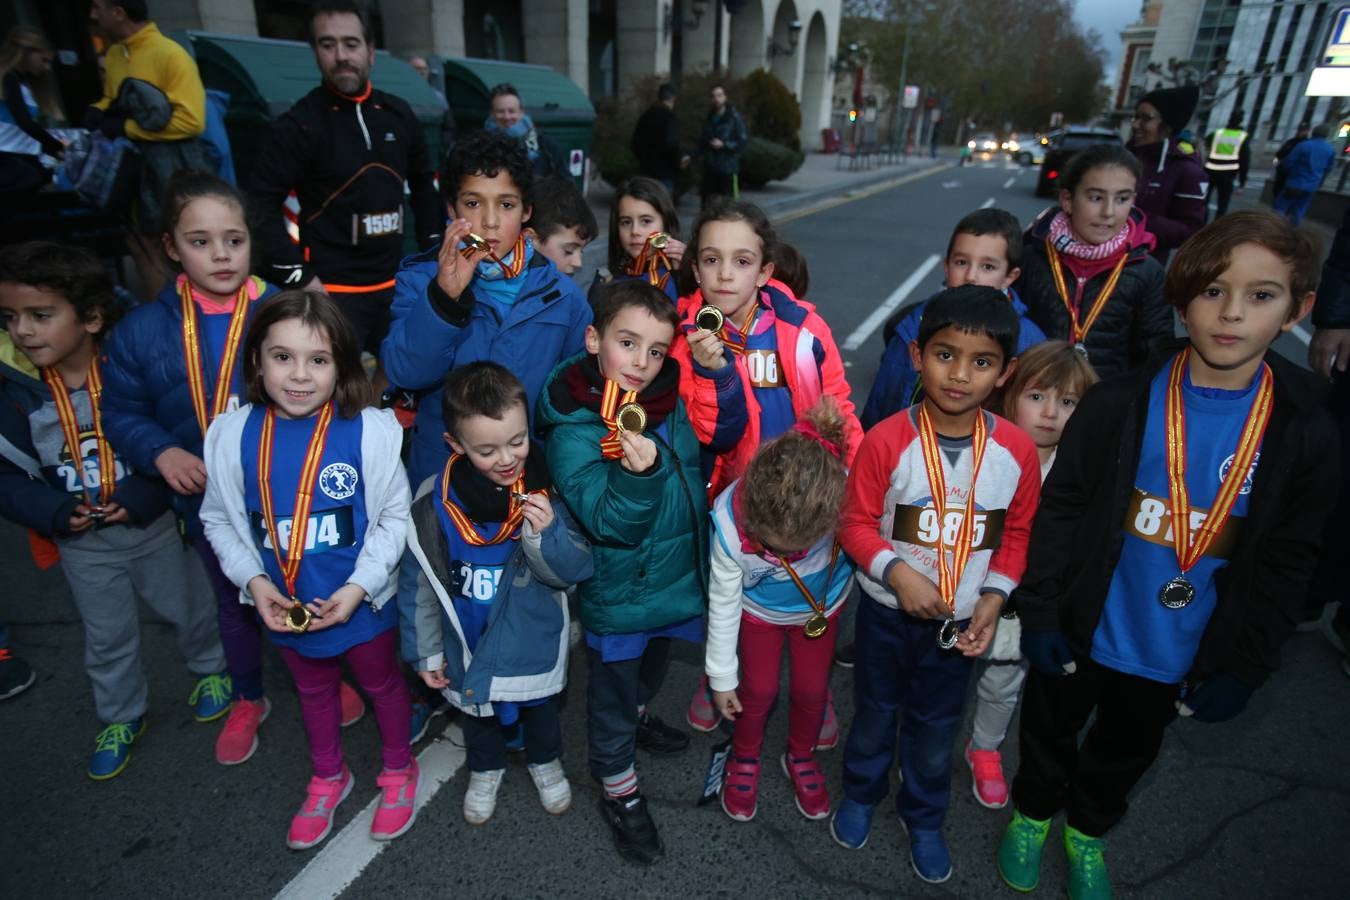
152,94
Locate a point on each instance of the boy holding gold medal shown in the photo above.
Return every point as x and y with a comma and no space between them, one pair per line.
1176,535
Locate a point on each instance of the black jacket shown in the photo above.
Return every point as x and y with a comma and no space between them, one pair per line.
656,142
729,127
1077,536
1332,309
347,163
1134,322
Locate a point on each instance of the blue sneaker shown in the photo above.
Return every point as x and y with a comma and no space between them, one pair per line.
928,854
210,699
112,748
423,711
851,824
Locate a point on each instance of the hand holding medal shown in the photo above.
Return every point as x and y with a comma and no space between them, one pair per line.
536,508
337,609
272,605
456,264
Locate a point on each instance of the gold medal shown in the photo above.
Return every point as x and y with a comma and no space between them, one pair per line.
816,626
298,618
474,244
631,418
658,240
709,318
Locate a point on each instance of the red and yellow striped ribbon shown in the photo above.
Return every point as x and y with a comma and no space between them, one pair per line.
304,493
70,429
610,401
464,525
192,355
949,577
1078,333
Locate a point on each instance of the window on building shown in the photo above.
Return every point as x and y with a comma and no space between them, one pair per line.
493,30
288,20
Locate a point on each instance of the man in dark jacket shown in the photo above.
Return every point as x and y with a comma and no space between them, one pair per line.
1173,186
346,149
721,144
656,140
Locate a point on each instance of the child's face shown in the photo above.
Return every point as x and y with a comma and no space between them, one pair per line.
563,248
497,448
298,371
211,243
632,349
638,220
1100,205
731,267
44,324
494,208
1042,412
979,259
959,369
1238,315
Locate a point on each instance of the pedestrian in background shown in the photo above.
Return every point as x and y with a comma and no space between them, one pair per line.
509,118
29,94
1228,158
656,140
1304,169
720,147
1173,184
1300,135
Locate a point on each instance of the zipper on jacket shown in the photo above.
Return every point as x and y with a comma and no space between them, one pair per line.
361,120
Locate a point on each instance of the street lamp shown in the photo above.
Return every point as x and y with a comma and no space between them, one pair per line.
794,35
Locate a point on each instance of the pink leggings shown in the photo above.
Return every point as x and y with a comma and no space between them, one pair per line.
761,652
375,666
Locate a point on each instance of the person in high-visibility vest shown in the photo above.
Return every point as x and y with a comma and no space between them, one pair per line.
1228,158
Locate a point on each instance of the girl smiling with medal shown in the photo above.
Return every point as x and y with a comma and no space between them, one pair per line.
777,573
1223,466
307,509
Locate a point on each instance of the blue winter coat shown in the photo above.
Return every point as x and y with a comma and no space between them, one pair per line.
430,334
1307,164
893,389
147,405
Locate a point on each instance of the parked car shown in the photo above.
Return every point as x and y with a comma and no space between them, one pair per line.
1032,152
1062,146
985,144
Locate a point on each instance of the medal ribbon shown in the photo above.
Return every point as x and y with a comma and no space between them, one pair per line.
517,259
801,585
1190,550
464,525
610,401
649,263
192,354
737,342
1078,333
304,492
949,577
70,429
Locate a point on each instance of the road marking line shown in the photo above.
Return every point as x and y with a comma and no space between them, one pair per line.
891,303
1302,335
988,203
1010,182
346,854
860,195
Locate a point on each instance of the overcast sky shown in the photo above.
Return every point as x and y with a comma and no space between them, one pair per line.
1108,17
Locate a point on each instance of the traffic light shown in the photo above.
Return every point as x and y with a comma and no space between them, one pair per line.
852,116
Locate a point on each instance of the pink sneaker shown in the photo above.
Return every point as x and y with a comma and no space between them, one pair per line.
701,715
315,818
396,812
239,738
808,783
829,727
986,771
740,791
353,707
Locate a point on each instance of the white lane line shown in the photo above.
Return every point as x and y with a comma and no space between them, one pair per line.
1302,335
1010,182
891,303
337,866
988,203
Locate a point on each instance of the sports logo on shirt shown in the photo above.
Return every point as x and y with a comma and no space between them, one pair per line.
338,481
1246,481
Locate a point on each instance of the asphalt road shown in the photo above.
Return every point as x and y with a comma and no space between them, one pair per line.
1258,807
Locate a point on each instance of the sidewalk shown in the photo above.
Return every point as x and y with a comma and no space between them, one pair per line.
818,180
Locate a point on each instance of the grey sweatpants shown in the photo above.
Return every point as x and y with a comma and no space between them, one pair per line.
107,571
997,690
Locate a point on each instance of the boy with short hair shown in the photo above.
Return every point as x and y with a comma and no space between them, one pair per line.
488,625
985,248
1127,614
500,300
59,476
561,223
939,506
625,460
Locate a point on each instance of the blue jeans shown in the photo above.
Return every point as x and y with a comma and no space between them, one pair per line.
902,678
1293,204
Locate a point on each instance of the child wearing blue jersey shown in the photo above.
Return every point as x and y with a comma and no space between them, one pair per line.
306,508
643,210
1176,535
60,477
489,628
777,574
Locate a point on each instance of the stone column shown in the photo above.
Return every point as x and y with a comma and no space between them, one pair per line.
420,27
641,39
556,34
223,16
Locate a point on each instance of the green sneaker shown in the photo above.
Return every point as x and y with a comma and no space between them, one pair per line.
1019,855
210,699
1087,866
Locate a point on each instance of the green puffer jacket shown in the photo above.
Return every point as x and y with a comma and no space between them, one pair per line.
648,532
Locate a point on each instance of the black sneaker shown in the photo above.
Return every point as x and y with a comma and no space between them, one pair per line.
634,831
16,676
845,654
658,738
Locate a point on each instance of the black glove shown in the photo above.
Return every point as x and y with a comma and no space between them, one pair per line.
1216,699
1048,651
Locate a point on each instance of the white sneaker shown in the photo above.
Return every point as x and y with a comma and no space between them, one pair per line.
480,799
554,791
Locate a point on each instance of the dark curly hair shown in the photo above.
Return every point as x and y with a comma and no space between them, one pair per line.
486,153
69,271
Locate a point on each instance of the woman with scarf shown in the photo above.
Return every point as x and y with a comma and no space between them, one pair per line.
508,117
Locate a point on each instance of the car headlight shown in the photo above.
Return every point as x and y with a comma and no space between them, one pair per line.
971,145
